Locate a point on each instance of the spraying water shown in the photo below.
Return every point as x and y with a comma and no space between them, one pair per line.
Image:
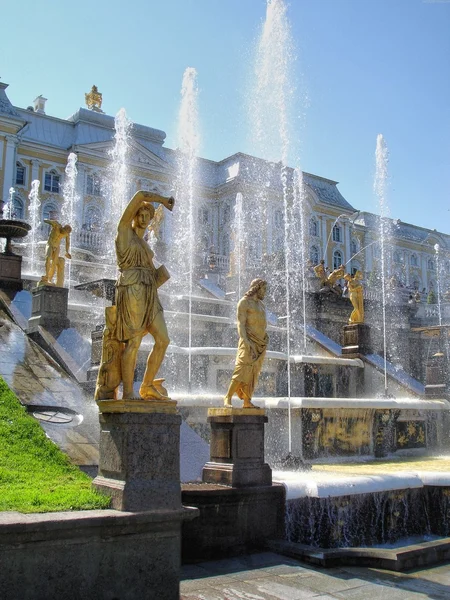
239,239
438,281
380,187
71,200
271,117
119,175
184,222
8,210
34,218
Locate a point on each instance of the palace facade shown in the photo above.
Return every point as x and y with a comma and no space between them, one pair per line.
35,146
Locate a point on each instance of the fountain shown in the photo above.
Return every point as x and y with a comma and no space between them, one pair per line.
185,221
10,263
71,201
35,220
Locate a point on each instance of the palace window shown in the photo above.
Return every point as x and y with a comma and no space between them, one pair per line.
314,255
397,257
93,185
50,211
92,218
313,227
17,208
20,174
337,234
431,265
51,182
337,259
203,216
353,247
414,260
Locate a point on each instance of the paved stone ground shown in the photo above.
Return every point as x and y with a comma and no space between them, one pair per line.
269,576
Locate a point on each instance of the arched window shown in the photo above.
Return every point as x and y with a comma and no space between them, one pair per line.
313,227
337,234
203,216
376,251
20,174
431,265
337,259
92,218
314,255
52,182
414,260
226,213
354,246
50,210
94,185
17,211
397,257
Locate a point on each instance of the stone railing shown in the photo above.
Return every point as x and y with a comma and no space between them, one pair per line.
89,240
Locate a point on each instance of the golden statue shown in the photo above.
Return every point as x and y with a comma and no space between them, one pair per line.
138,310
253,341
356,295
320,272
53,262
94,99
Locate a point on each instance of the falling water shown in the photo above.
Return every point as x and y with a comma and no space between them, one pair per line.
184,222
8,210
271,108
119,176
71,200
380,187
438,282
239,239
34,212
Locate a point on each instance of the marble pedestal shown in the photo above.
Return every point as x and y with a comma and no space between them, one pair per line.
49,309
237,448
356,340
139,465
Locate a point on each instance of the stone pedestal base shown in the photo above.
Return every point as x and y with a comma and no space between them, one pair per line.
436,377
49,309
139,465
237,448
356,340
11,272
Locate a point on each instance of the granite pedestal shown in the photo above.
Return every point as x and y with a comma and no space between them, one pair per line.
49,309
11,272
237,448
356,340
139,465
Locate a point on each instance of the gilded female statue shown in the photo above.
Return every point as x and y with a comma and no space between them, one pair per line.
356,295
138,310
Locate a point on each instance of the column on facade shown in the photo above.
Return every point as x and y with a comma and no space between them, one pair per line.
347,234
35,164
324,237
8,176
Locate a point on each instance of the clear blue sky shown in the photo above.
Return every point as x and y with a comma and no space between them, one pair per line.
366,67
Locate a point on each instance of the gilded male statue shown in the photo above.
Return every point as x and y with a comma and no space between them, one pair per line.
356,295
53,262
253,341
139,310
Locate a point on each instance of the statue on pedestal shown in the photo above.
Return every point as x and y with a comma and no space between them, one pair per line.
53,262
138,310
253,341
356,295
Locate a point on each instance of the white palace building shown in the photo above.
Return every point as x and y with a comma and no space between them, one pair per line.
35,146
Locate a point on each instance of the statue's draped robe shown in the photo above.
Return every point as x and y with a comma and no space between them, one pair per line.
248,367
136,293
357,299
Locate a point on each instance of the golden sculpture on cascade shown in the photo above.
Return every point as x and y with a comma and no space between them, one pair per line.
138,310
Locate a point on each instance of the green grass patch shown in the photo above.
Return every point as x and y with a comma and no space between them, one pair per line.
35,475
